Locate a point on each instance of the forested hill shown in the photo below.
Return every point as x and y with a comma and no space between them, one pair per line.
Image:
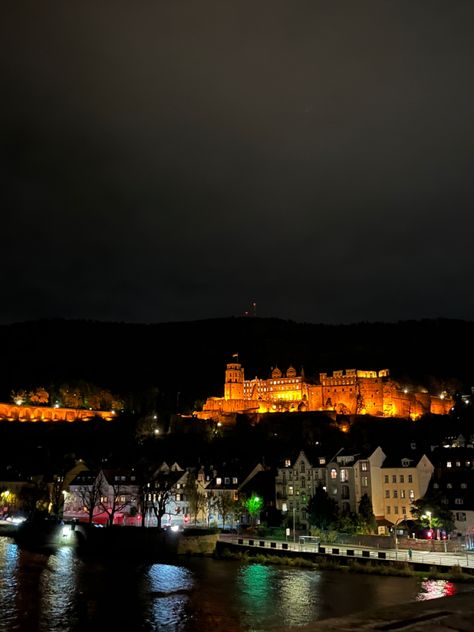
186,360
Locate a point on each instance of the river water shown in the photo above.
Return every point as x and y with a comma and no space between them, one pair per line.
64,593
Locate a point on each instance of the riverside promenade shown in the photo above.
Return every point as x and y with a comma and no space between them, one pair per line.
310,548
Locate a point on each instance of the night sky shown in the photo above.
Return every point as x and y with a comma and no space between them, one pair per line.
177,160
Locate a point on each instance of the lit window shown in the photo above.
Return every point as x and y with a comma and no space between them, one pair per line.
449,464
287,463
290,490
412,494
458,501
402,493
365,481
343,475
463,486
218,481
364,466
234,480
333,473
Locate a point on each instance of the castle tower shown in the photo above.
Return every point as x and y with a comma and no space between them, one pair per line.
234,381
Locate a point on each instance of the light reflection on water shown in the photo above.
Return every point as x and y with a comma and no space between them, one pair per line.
64,593
169,588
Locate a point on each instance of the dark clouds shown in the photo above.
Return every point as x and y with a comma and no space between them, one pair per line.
176,160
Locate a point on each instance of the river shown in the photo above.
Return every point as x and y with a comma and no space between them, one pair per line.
64,593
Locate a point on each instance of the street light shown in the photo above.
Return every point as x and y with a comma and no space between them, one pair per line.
294,533
425,516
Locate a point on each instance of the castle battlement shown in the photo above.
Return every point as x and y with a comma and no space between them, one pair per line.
346,391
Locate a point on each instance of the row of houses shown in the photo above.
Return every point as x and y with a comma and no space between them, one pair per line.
178,494
392,481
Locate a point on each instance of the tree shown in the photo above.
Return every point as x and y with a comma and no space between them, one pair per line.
19,397
196,498
227,506
91,495
253,505
56,497
367,520
322,510
431,512
39,396
161,492
118,500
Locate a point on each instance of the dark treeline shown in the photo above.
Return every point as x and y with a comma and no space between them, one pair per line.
178,363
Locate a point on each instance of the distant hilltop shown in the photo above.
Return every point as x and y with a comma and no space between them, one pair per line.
189,357
349,392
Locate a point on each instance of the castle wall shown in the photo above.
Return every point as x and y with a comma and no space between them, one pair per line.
12,412
346,392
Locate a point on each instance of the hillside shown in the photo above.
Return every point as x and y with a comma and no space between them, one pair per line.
186,360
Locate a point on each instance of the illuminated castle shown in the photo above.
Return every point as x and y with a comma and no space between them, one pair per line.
346,392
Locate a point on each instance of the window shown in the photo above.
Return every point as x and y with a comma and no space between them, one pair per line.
458,463
218,481
343,475
333,473
404,511
402,493
412,494
226,480
460,516
449,464
388,510
364,466
395,493
322,461
235,481
394,478
435,485
178,497
287,463
290,490
387,493
458,501
402,478
386,478
463,486
302,468
365,481
449,486
303,482
395,509
410,478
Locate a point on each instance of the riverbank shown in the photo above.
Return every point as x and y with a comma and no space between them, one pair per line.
395,569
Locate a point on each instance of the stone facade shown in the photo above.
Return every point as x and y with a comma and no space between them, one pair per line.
351,392
14,412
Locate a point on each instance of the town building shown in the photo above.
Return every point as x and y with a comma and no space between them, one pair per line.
296,481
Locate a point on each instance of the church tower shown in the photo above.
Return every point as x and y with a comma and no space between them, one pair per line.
234,381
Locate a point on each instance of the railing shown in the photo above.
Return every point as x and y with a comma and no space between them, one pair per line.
311,545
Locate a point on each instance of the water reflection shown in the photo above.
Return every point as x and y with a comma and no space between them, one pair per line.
435,588
8,580
169,588
65,593
57,584
272,596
